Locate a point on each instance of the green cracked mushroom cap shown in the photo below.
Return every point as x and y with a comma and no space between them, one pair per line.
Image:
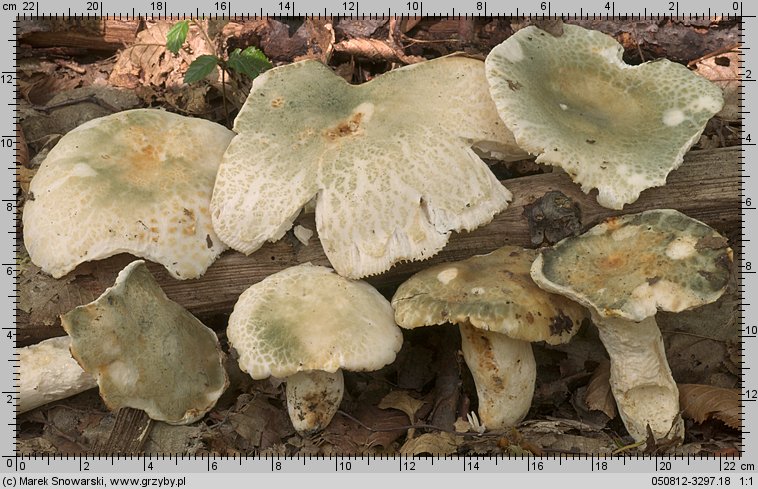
146,351
391,162
493,292
572,101
309,318
138,181
631,266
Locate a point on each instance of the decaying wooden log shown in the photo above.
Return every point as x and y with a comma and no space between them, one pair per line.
129,433
94,34
678,40
705,187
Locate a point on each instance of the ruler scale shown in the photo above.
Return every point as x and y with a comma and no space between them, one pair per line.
196,471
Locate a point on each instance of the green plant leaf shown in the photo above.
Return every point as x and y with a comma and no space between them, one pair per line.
200,68
176,36
251,62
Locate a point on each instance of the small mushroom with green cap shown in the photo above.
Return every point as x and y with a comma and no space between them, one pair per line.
574,103
146,351
380,158
139,182
305,325
500,311
625,270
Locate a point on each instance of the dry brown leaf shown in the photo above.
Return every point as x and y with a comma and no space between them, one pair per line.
702,402
148,62
24,177
462,425
402,401
38,87
514,443
320,36
717,448
440,443
599,396
407,24
262,424
45,298
23,149
368,428
192,99
375,50
358,27
656,446
562,435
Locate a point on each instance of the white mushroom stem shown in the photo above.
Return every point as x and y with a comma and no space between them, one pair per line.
504,372
641,380
49,373
313,399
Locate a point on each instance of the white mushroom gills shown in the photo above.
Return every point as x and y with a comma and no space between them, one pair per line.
313,399
48,373
641,380
504,372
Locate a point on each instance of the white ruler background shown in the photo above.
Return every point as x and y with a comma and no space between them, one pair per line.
590,471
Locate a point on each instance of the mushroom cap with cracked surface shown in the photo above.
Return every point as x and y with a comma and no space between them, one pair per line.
146,351
493,292
381,159
307,318
574,103
632,266
138,181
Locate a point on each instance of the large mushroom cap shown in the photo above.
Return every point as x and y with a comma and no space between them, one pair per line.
309,318
138,181
146,351
391,161
574,102
631,266
493,292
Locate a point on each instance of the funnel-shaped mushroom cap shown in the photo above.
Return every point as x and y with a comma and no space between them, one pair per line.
309,318
146,351
493,292
631,266
391,161
574,102
139,182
